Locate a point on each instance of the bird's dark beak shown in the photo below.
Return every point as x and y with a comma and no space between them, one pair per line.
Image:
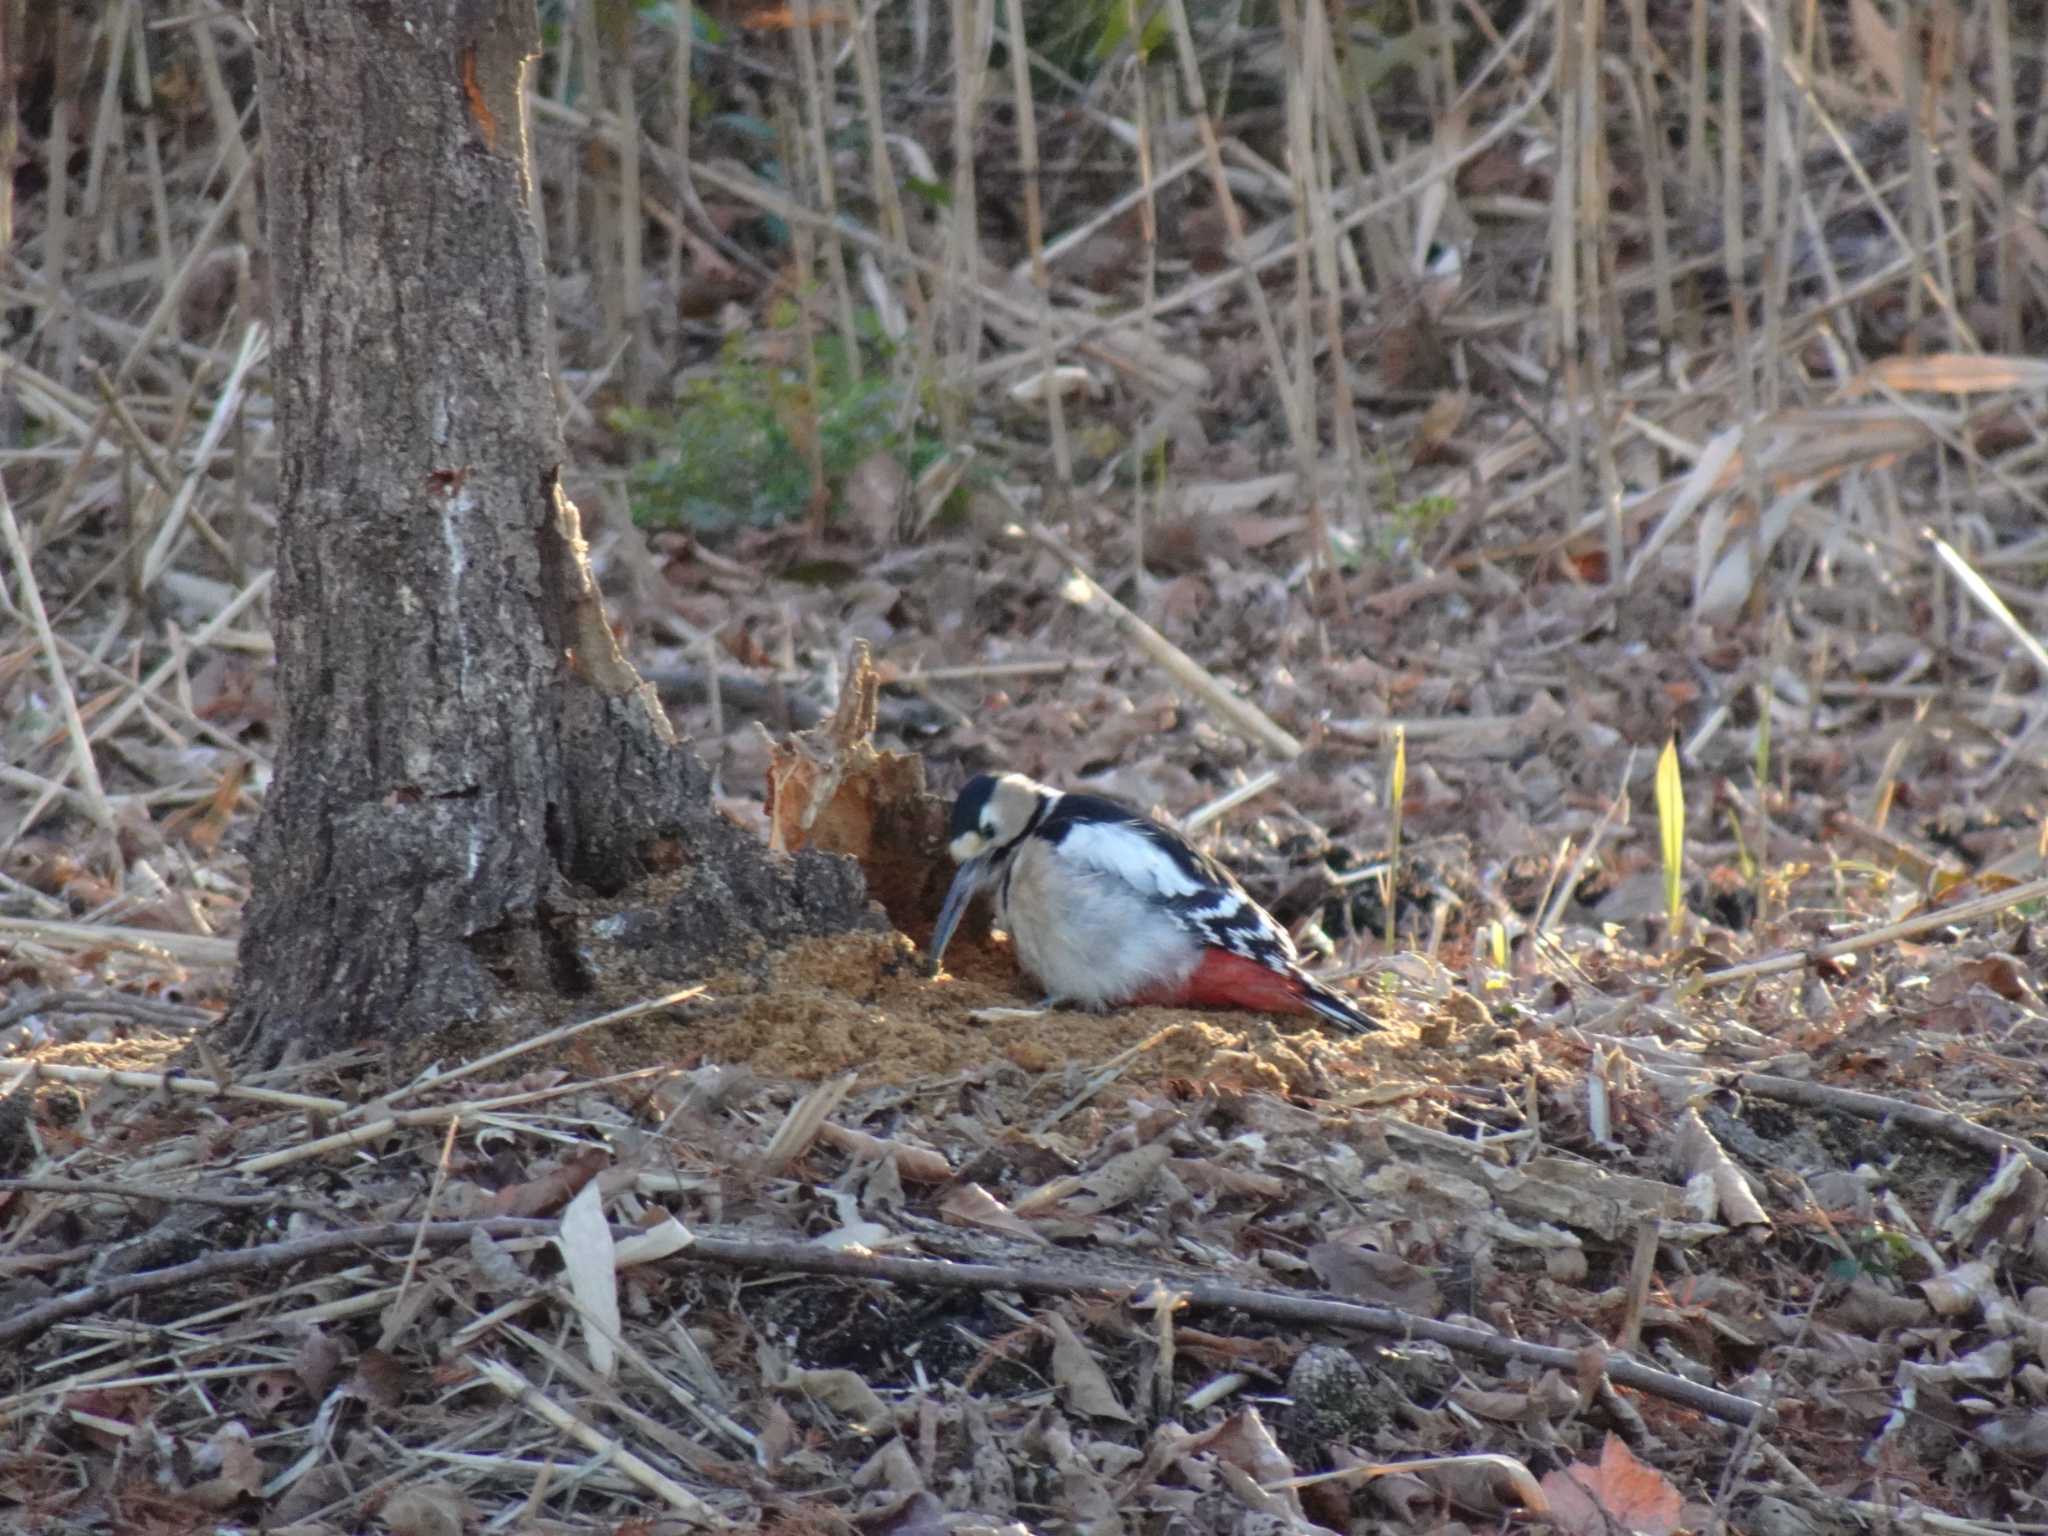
958,895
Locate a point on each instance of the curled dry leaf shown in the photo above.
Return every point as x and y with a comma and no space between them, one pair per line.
317,1362
920,1165
538,1196
1703,1158
1487,1484
1205,1173
380,1380
1122,1178
588,1258
659,1241
843,1392
1244,1445
1963,1289
2008,1205
1380,1279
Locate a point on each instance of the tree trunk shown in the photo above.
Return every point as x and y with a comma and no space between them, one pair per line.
464,750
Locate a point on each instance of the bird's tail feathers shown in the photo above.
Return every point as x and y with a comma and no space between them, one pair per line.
1336,1007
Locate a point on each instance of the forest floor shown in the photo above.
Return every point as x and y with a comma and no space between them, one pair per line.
1739,1227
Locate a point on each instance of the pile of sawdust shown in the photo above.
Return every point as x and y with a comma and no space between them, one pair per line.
862,1002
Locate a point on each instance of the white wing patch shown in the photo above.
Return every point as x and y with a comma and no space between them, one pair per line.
1130,856
1214,913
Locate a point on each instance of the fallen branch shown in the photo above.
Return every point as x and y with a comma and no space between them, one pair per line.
808,1258
1912,927
102,1294
1209,1295
1947,1124
164,1193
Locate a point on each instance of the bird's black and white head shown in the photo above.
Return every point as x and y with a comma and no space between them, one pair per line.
992,815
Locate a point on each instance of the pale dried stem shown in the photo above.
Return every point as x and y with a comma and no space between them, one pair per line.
1940,917
543,1041
784,1257
819,94
1034,237
1242,716
13,1073
636,338
227,130
83,766
1145,197
961,282
606,216
1300,432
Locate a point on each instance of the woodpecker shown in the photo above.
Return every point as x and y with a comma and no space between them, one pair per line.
1105,906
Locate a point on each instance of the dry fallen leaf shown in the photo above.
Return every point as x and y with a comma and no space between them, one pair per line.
588,1261
972,1206
1082,1382
237,1470
1619,1494
920,1165
844,1392
428,1509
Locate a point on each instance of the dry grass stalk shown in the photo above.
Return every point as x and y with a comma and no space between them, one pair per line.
1244,717
1939,917
588,1435
82,762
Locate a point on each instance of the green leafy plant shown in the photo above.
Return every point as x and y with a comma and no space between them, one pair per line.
1407,521
730,451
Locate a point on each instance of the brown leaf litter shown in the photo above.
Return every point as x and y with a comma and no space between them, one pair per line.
879,1261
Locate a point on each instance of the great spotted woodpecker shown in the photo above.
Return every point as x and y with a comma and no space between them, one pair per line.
1105,906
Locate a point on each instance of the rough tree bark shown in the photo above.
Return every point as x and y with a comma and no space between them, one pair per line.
466,754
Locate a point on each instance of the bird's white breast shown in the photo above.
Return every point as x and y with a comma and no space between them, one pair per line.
1084,919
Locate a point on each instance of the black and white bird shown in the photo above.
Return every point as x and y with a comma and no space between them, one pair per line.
1105,906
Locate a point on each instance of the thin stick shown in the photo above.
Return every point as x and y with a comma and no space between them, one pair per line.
168,1195
817,92
255,347
611,1451
1944,1123
535,1043
1229,801
14,1072
1981,593
1034,238
67,703
192,949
